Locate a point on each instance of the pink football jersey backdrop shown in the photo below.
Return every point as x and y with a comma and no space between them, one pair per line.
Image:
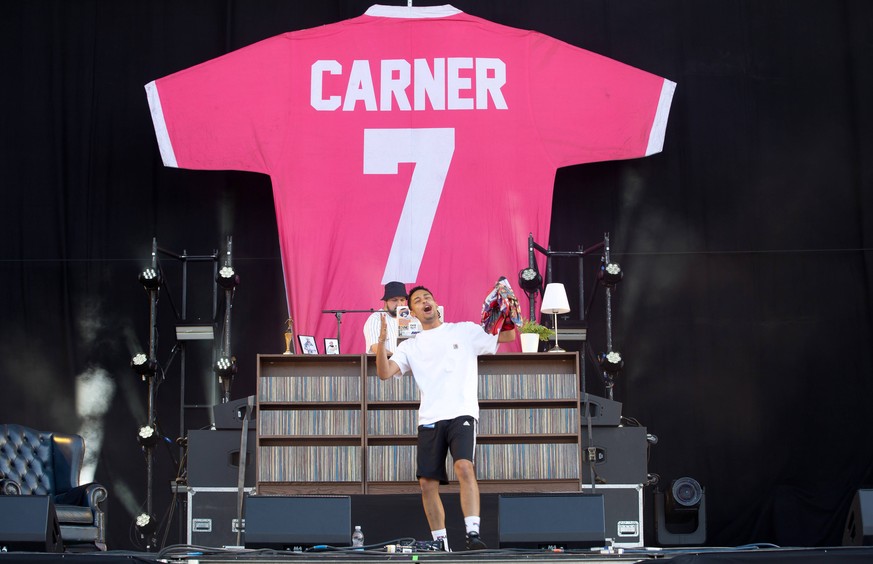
414,144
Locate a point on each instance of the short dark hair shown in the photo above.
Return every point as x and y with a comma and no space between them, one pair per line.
416,289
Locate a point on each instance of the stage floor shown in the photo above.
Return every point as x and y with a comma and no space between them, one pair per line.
194,555
395,520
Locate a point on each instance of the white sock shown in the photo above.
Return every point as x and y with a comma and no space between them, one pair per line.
440,534
472,523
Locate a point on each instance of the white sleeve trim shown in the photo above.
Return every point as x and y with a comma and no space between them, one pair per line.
380,10
659,125
164,144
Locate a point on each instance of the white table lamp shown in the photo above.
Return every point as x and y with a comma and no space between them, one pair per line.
555,302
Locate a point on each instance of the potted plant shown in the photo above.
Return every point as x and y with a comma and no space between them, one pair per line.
532,333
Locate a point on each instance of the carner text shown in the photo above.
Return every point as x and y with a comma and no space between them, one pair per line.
453,83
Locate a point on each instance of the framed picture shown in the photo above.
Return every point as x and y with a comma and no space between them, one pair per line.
331,346
307,344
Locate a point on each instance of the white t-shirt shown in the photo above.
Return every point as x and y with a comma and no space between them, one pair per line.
446,369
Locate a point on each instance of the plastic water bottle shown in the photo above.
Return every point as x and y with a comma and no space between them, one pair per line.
358,537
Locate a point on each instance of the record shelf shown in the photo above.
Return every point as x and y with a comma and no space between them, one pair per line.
327,425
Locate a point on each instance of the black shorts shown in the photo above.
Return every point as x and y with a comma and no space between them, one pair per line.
457,436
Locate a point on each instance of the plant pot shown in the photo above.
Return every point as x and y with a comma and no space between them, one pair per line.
530,342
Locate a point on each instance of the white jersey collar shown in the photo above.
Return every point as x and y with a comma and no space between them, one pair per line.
380,10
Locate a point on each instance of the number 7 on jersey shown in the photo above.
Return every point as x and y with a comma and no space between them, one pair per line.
431,151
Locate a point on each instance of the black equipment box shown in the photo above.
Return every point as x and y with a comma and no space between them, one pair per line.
212,517
623,505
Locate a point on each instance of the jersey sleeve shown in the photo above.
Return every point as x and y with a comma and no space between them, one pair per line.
590,108
223,114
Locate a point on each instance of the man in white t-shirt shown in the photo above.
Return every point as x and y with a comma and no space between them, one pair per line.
394,296
443,360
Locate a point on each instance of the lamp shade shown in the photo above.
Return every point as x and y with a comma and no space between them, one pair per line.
555,299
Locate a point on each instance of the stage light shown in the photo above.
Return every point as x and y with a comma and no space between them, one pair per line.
555,301
610,274
680,513
611,362
530,281
225,366
227,278
150,278
147,436
146,524
143,365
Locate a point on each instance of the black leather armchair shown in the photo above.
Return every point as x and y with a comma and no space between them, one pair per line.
39,463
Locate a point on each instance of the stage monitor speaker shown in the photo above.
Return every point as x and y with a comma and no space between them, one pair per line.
618,455
604,412
541,521
230,415
859,521
297,522
29,523
214,457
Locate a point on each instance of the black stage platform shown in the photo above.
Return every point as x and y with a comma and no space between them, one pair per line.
192,555
400,522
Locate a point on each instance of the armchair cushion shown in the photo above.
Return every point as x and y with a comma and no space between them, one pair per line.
76,506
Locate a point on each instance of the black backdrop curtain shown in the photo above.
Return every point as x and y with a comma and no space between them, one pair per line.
744,317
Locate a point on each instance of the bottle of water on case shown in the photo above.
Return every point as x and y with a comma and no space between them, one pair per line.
358,537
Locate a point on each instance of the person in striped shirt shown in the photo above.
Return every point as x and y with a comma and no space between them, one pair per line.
394,296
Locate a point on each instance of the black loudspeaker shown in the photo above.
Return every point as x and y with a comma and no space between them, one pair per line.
551,520
619,455
29,523
213,458
859,521
298,522
604,412
230,415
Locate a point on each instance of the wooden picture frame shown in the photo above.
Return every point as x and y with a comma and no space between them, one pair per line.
307,344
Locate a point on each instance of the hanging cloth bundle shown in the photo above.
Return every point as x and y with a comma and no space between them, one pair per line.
500,311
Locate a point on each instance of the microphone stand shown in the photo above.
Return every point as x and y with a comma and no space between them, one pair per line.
339,320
